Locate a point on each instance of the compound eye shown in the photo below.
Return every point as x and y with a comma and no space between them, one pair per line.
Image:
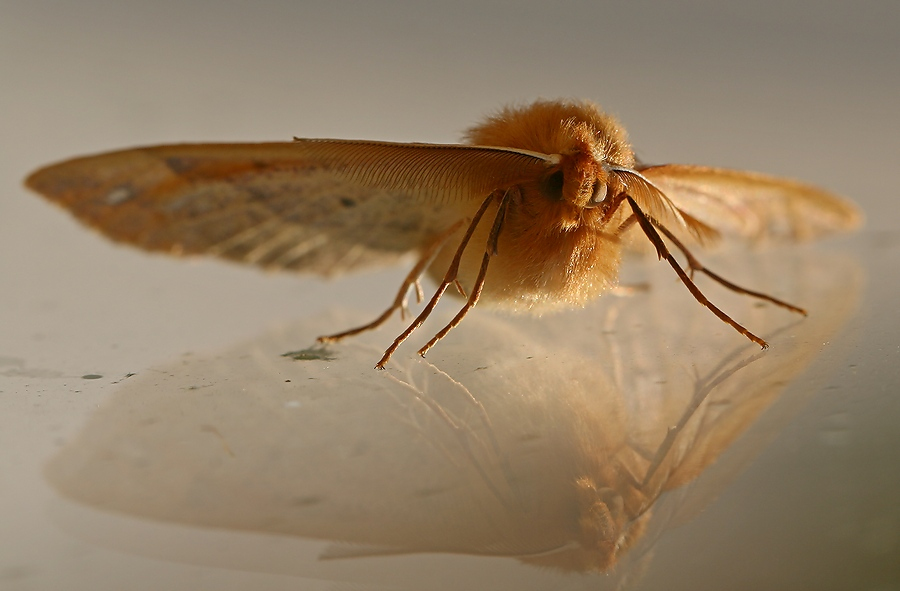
599,194
553,186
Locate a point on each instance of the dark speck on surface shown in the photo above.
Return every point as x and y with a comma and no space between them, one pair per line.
314,353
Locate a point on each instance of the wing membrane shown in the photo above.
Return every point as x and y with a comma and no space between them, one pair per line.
751,205
324,206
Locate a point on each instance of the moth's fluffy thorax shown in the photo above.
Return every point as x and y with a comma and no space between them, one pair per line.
556,127
556,248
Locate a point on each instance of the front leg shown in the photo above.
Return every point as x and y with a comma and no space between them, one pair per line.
489,251
450,277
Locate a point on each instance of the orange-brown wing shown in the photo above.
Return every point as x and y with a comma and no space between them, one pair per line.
323,206
753,206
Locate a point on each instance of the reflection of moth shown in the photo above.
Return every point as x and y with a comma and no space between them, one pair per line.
579,456
531,215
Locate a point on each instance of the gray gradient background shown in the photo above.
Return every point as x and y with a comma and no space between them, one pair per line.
808,89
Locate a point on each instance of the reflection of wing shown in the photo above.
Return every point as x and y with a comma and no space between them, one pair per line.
324,206
541,457
753,206
702,403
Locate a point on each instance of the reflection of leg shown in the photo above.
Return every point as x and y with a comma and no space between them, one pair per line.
649,229
449,278
472,400
411,281
465,434
490,250
696,410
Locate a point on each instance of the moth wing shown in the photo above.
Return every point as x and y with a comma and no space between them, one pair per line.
322,206
753,206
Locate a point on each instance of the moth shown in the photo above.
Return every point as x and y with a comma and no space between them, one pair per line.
531,213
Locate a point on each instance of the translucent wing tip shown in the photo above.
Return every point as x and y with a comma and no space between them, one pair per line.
753,205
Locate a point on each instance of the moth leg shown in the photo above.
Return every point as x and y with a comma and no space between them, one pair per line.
449,278
417,288
695,265
400,301
663,252
489,251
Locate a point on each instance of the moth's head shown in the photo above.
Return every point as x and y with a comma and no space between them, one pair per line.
582,140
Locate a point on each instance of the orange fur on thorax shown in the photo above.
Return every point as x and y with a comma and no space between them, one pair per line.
552,252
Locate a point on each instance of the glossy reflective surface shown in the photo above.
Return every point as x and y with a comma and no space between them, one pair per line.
550,441
153,436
